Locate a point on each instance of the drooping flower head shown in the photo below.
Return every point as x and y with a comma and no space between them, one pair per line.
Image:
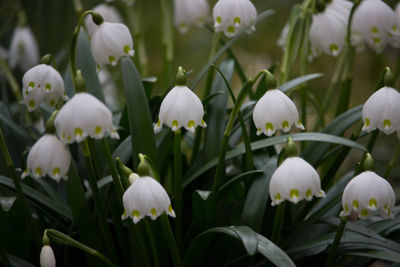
47,258
84,115
275,111
181,107
367,194
109,14
190,13
42,83
24,51
374,23
230,16
48,156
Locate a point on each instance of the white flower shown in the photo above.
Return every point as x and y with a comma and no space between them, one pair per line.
47,258
375,23
146,196
283,36
294,180
329,29
24,50
109,14
42,83
181,108
395,40
275,111
84,115
382,111
110,42
366,194
48,156
189,13
230,16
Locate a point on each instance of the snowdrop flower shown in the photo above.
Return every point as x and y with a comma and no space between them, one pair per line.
109,14
329,29
145,197
275,111
24,51
189,13
84,115
47,258
367,194
48,156
230,16
382,111
375,23
42,83
110,42
294,180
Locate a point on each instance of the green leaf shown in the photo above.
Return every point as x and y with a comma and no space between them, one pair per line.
123,151
49,190
298,81
18,130
100,184
140,123
16,261
7,203
232,182
203,216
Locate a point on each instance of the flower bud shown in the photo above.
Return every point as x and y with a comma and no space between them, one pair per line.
47,258
24,51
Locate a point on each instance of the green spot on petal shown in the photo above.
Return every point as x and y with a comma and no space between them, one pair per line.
372,202
236,20
346,208
269,126
364,213
111,59
219,20
175,123
31,103
355,204
38,171
52,103
170,208
78,131
285,124
153,212
278,196
377,41
56,171
333,48
127,49
47,87
231,29
191,124
367,122
374,30
136,213
98,130
309,193
31,84
387,123
294,193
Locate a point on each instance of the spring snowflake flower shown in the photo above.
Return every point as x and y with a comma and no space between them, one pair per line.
84,115
375,23
382,111
109,14
48,156
230,16
110,42
47,258
329,29
275,111
145,197
24,51
42,83
294,180
189,13
181,108
367,194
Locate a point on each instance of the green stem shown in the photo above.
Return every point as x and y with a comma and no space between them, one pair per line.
214,47
178,186
11,79
278,223
392,161
334,81
336,241
96,198
152,242
21,196
169,236
167,39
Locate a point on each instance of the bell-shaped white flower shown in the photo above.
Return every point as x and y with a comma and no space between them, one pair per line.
47,258
109,14
382,111
329,29
109,42
24,51
294,180
145,197
181,108
48,156
190,13
367,194
42,83
230,16
84,115
275,111
375,23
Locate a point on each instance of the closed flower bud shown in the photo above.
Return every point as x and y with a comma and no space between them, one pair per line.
367,194
382,111
84,115
110,42
375,23
329,29
48,156
47,258
109,14
230,16
42,83
145,197
190,13
294,180
24,51
275,111
181,108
